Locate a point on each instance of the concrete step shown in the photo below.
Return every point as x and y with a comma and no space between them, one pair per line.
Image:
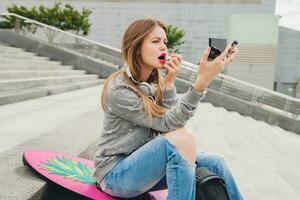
17,53
9,97
4,48
106,62
4,61
33,67
17,84
56,89
35,74
15,56
21,95
24,75
66,123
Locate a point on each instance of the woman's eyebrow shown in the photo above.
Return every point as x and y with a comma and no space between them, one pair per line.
156,37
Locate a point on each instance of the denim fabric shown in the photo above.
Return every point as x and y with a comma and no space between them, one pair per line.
217,164
158,165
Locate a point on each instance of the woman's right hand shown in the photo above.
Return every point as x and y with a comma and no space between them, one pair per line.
208,70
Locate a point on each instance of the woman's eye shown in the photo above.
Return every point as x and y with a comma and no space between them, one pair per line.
158,42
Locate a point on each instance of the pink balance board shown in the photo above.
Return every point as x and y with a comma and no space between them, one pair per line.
73,173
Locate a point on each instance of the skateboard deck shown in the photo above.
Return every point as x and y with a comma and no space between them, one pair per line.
72,173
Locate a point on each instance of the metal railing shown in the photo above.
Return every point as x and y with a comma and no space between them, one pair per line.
259,96
63,39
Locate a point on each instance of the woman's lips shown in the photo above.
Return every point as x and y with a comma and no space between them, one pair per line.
162,58
162,61
163,55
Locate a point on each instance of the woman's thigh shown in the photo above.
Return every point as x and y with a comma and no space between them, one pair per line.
138,172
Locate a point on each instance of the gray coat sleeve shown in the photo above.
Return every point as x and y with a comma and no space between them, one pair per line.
124,102
170,98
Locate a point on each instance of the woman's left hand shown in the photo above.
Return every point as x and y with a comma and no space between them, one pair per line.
172,66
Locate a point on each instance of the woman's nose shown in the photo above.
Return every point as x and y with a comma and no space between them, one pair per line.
163,46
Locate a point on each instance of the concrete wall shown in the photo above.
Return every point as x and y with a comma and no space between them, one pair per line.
181,1
200,19
257,74
288,64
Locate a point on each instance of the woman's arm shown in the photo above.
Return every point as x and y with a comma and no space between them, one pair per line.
170,98
173,66
208,70
124,102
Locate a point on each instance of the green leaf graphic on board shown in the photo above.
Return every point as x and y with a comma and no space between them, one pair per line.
69,169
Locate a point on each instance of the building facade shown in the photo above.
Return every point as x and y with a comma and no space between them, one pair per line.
287,77
201,19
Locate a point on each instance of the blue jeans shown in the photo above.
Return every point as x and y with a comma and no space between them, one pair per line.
157,165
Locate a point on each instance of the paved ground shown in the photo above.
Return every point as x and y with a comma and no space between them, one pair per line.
264,159
25,120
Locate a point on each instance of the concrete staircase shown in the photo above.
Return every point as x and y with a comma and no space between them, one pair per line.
68,122
264,159
24,75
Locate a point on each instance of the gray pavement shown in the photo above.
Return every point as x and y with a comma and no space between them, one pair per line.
264,159
25,120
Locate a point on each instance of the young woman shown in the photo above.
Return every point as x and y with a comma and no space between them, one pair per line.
144,144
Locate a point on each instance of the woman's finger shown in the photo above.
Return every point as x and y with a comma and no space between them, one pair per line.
224,53
172,64
179,59
170,76
176,62
178,56
204,57
231,56
170,69
232,50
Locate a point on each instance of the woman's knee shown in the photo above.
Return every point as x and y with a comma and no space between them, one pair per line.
182,138
220,165
214,160
220,159
184,141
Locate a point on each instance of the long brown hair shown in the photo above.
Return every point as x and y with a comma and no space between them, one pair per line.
131,49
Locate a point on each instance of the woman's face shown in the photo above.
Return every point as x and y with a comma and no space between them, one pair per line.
154,49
